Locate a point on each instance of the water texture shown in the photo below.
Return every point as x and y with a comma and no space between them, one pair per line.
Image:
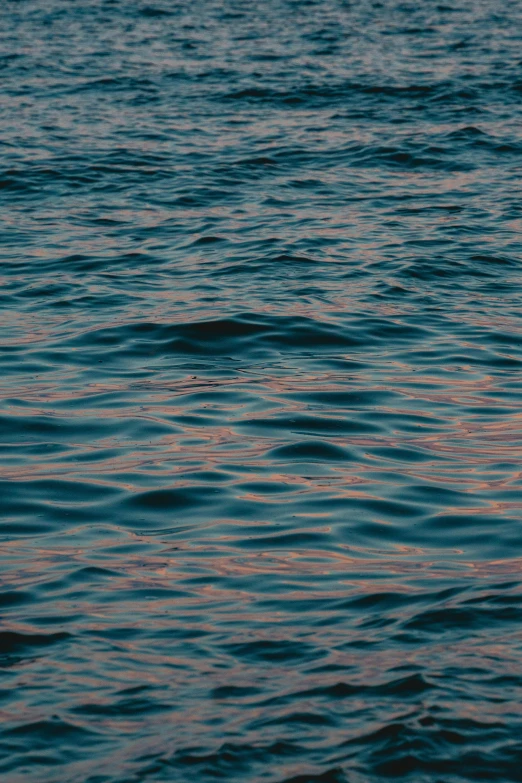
260,386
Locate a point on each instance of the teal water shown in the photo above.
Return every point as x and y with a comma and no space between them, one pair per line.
260,386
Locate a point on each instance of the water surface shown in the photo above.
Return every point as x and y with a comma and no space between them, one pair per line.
260,385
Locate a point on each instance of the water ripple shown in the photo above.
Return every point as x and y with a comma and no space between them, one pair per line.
259,395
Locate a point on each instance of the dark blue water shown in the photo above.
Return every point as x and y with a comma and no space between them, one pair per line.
261,391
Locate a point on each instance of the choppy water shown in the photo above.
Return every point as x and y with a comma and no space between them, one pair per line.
261,390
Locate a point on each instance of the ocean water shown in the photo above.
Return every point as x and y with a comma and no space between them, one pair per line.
261,388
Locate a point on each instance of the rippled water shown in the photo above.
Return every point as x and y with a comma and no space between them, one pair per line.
261,391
